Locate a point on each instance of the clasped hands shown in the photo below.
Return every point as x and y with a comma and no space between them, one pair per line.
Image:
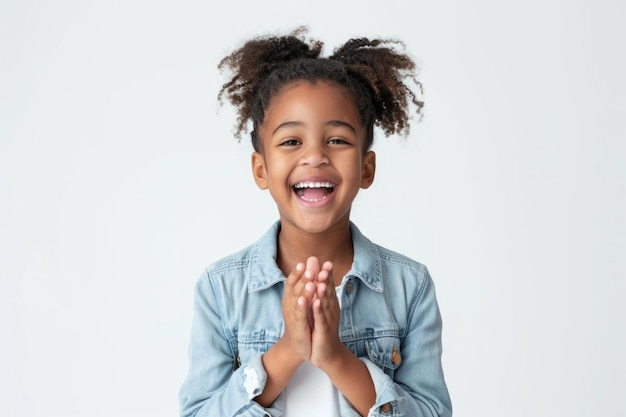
311,312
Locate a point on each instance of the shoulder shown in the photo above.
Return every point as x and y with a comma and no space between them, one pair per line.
252,263
262,248
397,264
392,258
377,262
234,261
225,274
371,252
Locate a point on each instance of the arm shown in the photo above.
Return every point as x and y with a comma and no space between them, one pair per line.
352,378
418,388
283,359
213,387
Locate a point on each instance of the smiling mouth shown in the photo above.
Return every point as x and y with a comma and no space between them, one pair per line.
313,191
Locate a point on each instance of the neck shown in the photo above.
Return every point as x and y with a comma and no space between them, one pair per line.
333,245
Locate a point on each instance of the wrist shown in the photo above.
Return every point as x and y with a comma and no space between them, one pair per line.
338,363
283,352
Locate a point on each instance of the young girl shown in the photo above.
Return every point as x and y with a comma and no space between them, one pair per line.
314,319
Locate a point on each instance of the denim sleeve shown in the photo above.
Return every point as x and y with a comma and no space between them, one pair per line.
418,388
214,385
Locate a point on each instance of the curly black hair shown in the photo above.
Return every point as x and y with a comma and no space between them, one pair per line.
372,70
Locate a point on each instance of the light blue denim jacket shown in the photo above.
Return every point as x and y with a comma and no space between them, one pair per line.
389,319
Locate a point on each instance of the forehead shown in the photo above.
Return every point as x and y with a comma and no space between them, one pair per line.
312,100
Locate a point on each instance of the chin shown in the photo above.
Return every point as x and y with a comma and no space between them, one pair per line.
314,226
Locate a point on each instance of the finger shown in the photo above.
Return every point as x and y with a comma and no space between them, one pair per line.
295,282
295,275
325,277
303,298
302,307
296,310
309,291
321,288
293,290
312,268
318,314
326,274
325,312
329,304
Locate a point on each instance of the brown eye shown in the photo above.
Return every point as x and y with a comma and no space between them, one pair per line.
338,141
290,142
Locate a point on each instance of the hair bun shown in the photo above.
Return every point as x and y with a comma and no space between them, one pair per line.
281,49
258,57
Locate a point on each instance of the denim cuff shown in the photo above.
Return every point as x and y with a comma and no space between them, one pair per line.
388,403
252,377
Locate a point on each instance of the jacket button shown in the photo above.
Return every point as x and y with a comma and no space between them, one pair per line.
395,356
349,287
385,408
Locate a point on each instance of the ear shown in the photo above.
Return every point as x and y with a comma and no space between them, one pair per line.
259,171
369,169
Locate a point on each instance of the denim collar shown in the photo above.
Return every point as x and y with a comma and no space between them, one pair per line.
264,272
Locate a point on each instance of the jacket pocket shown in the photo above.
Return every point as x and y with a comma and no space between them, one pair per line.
250,344
384,350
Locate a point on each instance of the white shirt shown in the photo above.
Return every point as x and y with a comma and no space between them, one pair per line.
311,394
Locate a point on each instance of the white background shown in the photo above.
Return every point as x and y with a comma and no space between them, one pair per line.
120,181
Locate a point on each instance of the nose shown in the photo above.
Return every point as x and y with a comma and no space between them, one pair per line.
314,154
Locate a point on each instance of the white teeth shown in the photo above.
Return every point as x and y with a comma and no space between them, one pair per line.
314,185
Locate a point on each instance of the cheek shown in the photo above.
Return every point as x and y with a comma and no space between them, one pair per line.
355,172
277,170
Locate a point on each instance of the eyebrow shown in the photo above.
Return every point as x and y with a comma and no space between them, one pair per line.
332,123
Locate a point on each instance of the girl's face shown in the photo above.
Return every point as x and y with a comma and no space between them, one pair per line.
313,159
